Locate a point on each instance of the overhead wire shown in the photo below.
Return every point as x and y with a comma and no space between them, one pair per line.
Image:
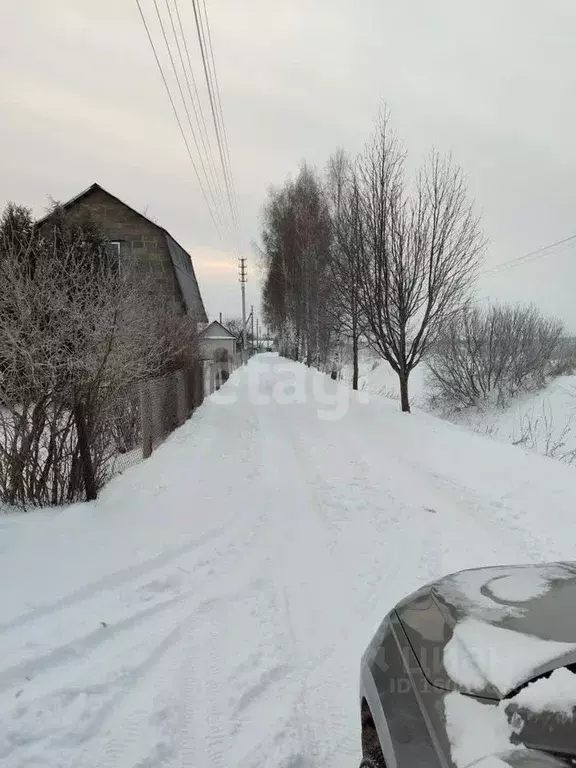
526,258
211,175
182,96
177,116
538,253
197,104
210,87
221,111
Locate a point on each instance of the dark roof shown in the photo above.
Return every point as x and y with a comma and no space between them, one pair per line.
181,259
97,188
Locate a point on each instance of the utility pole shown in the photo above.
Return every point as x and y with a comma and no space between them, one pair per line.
252,315
243,278
257,333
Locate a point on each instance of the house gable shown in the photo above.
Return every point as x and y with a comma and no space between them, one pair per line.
216,330
144,243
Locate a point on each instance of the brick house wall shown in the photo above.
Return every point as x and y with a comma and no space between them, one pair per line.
142,244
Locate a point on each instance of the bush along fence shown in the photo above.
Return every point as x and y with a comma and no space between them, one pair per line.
61,452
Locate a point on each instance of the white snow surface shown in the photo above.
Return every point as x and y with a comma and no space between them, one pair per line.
542,422
479,652
476,731
519,587
211,608
556,693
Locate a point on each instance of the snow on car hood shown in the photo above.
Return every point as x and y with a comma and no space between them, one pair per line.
482,736
489,631
556,694
479,652
509,624
511,636
512,593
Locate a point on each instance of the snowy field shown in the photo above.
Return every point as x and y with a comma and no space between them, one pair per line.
211,608
541,422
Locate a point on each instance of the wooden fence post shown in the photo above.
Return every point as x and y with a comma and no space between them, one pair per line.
180,397
146,416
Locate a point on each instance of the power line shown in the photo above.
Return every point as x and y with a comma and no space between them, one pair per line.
219,100
207,74
181,90
199,112
213,176
177,116
539,253
218,189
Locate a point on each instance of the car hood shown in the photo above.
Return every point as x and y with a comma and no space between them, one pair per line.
490,631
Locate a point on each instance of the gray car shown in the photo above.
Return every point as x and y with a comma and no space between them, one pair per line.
475,669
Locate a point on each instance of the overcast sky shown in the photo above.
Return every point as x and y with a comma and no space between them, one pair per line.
493,81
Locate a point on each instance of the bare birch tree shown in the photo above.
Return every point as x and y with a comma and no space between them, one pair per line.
296,235
345,264
420,251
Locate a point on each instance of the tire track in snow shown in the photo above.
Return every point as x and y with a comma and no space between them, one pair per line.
115,711
79,648
123,576
114,580
232,545
323,704
120,729
194,663
203,718
300,570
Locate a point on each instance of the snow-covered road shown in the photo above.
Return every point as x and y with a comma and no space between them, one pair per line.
211,608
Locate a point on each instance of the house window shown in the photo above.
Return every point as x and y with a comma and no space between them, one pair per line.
115,247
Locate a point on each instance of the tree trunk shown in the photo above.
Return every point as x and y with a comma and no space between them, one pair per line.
354,357
404,392
84,450
354,346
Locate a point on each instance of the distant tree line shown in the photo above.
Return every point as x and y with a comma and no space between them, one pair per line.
366,255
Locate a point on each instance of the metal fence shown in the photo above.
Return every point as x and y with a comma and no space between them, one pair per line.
61,451
146,415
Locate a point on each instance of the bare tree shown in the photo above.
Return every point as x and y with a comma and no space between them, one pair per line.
76,335
345,264
420,251
492,353
234,324
296,236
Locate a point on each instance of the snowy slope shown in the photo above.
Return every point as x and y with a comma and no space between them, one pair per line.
376,377
211,608
543,422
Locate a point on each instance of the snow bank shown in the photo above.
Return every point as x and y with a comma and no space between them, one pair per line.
542,422
377,377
